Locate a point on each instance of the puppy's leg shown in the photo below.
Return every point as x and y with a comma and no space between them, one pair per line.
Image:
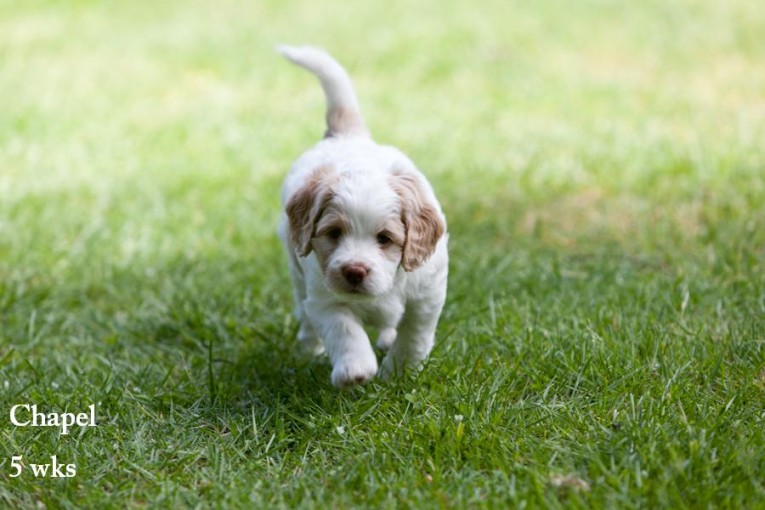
387,320
309,343
386,339
353,360
416,335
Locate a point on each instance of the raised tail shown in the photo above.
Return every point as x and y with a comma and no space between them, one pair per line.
343,112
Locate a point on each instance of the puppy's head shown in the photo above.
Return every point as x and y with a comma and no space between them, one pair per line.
362,227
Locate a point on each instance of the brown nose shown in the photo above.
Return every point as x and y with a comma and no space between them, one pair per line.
355,273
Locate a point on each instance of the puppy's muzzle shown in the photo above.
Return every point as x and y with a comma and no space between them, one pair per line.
355,273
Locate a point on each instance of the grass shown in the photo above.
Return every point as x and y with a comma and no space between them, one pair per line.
603,172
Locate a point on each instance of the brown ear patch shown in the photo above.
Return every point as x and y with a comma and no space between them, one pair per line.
424,226
305,206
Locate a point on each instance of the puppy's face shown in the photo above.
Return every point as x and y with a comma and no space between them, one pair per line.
363,227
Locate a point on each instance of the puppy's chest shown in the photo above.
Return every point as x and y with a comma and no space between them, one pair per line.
383,313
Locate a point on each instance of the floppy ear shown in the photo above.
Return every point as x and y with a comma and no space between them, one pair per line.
424,224
305,206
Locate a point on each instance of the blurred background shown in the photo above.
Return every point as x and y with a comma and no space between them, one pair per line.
143,106
600,93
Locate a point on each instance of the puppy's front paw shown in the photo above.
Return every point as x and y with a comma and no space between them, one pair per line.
386,339
352,370
309,344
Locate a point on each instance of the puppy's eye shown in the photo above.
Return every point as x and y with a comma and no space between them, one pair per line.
334,233
383,239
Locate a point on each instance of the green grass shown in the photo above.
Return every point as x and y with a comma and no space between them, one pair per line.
602,168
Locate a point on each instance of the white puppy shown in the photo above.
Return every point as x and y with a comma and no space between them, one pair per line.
366,240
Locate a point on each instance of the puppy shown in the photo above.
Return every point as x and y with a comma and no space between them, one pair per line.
366,241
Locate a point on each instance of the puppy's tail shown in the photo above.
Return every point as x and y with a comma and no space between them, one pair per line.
343,112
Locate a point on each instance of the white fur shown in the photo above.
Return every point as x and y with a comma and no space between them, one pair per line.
403,306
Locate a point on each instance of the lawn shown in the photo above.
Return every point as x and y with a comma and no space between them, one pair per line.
602,168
